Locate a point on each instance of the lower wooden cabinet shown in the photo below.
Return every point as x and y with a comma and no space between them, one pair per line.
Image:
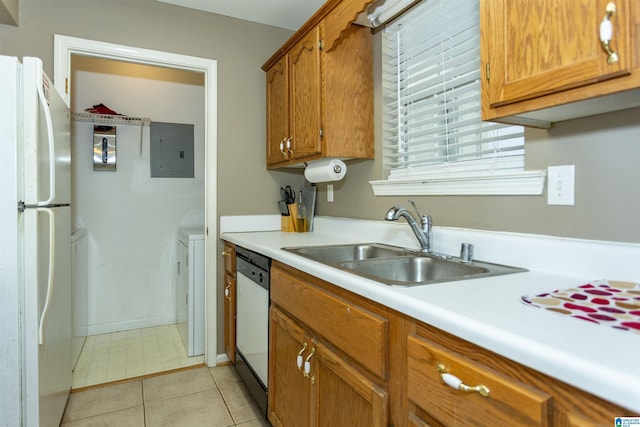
230,316
343,396
328,356
339,359
229,293
310,385
516,394
289,389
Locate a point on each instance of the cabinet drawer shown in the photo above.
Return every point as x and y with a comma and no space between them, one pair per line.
359,333
509,401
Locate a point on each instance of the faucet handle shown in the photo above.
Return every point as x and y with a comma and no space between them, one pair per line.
466,252
415,207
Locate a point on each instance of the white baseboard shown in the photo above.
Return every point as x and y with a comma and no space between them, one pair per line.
105,328
222,359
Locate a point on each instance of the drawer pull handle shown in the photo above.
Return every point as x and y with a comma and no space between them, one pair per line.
606,33
307,366
299,358
289,144
227,294
455,382
282,147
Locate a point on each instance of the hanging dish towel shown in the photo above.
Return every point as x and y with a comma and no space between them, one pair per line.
612,303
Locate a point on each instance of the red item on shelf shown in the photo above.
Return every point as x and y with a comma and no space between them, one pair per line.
102,109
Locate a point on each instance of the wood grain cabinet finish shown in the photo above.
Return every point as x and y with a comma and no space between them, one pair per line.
358,332
306,93
540,54
229,294
507,402
320,92
278,111
289,390
331,393
372,366
343,345
518,395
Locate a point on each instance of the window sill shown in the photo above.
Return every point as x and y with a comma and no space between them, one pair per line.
503,184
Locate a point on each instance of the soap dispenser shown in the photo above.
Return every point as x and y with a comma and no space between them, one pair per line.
301,219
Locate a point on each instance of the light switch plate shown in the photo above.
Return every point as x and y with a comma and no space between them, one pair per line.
561,185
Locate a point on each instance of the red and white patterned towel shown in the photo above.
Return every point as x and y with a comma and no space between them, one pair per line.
612,303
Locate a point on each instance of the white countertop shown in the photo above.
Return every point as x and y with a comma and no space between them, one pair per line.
488,311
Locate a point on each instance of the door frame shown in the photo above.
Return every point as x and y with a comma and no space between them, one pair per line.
65,46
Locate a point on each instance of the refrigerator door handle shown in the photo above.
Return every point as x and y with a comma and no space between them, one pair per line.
52,256
50,138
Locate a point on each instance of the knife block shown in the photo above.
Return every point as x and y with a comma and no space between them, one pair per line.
288,223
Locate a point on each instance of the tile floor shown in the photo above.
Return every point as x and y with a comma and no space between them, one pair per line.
195,397
129,354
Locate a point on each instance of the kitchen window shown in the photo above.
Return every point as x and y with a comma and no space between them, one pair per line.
434,141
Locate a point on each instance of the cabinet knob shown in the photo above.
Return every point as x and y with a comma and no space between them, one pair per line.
227,293
606,33
226,253
455,382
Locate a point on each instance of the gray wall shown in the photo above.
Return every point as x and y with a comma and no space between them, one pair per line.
240,47
605,150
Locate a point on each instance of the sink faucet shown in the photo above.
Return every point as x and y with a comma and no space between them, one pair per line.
422,231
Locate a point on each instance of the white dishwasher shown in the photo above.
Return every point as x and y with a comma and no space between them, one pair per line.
190,289
252,323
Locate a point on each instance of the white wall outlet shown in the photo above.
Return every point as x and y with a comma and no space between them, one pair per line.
329,192
561,185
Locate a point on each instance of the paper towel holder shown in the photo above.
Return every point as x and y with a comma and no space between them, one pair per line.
336,168
325,170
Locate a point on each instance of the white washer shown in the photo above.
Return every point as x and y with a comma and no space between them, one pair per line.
190,289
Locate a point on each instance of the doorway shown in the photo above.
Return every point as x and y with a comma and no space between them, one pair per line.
65,47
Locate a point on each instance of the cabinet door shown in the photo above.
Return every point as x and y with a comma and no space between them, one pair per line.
277,110
289,389
230,316
342,396
537,47
305,81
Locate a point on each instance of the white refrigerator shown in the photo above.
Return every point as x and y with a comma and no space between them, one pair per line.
35,248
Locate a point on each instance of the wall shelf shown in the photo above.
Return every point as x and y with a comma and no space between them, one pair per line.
110,119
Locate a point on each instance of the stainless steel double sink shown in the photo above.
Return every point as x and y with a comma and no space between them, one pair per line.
397,266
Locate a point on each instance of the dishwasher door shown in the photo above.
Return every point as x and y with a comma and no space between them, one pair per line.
252,325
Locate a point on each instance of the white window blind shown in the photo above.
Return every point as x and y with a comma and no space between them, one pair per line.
432,128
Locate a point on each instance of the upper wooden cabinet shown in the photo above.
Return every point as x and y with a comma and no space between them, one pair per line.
320,90
277,110
539,56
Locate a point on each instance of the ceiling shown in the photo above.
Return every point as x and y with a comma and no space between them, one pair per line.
289,14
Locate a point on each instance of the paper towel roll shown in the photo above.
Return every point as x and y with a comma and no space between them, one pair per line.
325,170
